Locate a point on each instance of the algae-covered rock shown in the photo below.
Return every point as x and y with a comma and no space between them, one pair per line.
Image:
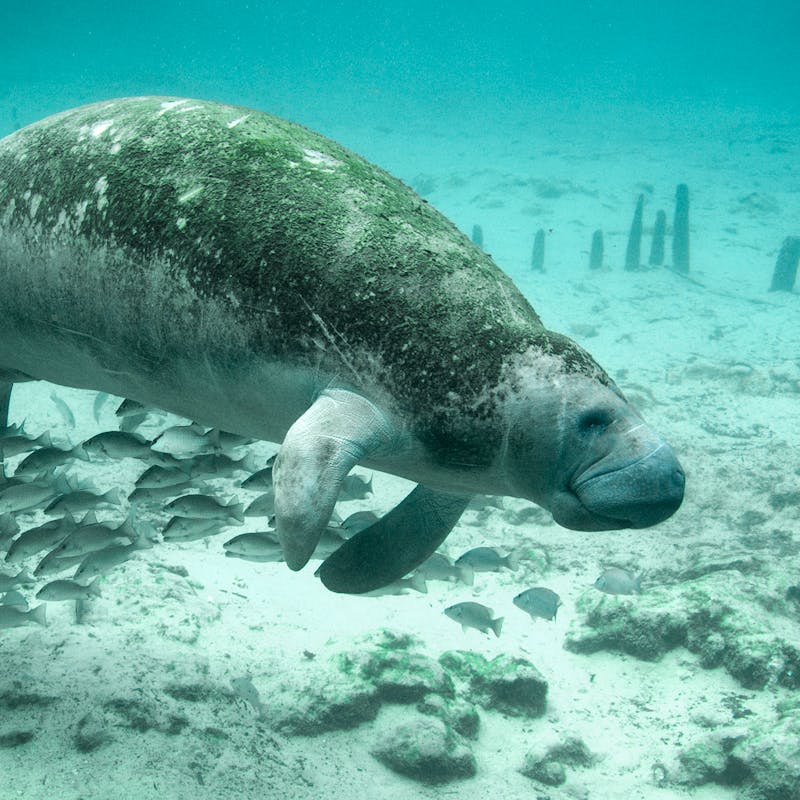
703,762
457,714
426,750
405,676
718,617
508,684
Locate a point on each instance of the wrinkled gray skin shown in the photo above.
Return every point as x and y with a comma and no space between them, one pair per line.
249,274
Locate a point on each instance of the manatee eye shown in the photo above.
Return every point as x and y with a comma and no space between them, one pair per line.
594,421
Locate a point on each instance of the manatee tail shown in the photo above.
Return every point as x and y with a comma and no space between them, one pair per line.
394,545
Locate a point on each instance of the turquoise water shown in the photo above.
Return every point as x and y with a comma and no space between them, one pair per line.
223,678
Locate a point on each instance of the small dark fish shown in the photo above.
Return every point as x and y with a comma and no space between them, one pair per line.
538,602
24,496
475,615
140,495
616,580
440,568
79,501
103,560
354,487
218,465
130,407
487,559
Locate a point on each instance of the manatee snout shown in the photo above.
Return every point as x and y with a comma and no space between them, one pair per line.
635,495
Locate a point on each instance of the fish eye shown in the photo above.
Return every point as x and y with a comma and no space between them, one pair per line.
594,421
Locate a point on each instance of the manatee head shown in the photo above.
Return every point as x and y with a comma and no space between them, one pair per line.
577,447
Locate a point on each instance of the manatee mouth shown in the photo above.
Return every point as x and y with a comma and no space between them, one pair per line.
608,496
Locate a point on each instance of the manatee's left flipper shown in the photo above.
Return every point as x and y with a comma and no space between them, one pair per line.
322,446
394,545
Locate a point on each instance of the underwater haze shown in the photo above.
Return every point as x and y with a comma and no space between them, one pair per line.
634,169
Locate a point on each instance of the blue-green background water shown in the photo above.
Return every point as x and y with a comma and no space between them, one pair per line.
336,63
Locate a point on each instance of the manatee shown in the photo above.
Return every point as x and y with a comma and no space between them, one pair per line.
251,275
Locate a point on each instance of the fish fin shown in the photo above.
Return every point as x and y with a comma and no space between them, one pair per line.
237,509
89,518
322,446
466,574
394,545
512,560
94,588
497,625
39,614
417,581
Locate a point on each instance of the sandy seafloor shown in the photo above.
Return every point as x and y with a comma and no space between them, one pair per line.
712,363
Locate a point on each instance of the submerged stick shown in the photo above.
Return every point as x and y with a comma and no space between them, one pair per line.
634,251
680,230
537,256
785,273
596,253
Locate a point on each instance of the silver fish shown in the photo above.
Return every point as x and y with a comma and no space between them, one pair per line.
475,615
262,506
189,529
259,546
183,440
157,477
68,590
47,458
12,617
202,506
102,561
52,564
90,538
42,537
487,559
152,495
538,602
616,580
80,501
439,567
117,444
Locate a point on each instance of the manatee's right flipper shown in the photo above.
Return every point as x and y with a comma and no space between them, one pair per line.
394,545
335,433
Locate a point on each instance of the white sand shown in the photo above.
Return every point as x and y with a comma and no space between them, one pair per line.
672,345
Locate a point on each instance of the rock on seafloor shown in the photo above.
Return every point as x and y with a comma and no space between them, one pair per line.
716,616
427,750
